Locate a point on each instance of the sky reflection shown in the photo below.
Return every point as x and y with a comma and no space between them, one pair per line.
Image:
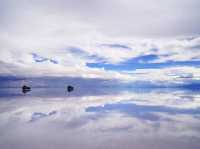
129,119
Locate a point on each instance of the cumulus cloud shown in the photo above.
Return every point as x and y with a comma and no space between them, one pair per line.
59,38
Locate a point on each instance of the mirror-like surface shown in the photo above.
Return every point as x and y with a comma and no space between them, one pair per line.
53,118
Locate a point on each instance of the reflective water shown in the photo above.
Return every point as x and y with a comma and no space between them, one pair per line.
54,119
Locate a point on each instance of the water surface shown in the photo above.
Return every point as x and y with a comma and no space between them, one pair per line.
105,119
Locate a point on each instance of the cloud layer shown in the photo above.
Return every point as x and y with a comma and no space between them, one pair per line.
127,40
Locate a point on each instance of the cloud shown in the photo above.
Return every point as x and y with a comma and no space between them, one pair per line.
121,46
40,59
113,18
168,75
36,35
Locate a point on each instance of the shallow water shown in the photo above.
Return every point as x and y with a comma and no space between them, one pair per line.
143,119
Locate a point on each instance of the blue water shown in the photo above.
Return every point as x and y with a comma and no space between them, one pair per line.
101,118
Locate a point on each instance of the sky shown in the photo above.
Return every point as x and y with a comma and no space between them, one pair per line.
128,40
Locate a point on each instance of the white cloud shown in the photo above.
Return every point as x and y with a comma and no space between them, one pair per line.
166,76
50,28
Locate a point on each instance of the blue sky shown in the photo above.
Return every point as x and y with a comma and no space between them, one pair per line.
142,63
157,42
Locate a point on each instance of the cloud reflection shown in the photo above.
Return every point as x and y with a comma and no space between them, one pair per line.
168,116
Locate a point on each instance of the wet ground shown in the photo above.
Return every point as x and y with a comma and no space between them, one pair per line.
143,119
